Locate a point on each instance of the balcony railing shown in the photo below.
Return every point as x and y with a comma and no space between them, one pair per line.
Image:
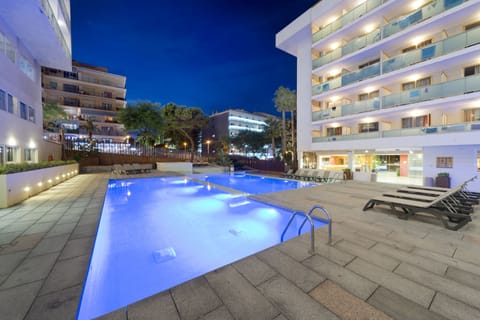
347,18
393,27
441,90
452,44
459,127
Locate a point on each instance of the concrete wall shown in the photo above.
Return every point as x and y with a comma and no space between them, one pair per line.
16,187
464,163
180,167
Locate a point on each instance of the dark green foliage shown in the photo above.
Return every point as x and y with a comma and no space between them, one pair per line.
26,166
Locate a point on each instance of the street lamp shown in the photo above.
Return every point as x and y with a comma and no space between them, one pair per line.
208,147
185,147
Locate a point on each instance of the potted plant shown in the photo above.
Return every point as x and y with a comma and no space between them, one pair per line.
442,180
347,174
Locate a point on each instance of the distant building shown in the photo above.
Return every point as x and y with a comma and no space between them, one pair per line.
32,34
231,122
91,96
388,86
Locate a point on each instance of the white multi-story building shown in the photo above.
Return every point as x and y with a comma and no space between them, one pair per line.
91,96
389,86
33,33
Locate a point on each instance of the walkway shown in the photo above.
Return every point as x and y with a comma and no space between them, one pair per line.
379,267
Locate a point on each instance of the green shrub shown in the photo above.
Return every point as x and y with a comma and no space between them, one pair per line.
27,166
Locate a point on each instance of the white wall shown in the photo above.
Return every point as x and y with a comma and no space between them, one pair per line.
464,163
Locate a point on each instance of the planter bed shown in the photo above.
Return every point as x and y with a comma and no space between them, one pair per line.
16,187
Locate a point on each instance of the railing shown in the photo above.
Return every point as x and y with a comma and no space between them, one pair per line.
347,18
308,216
427,11
440,90
459,127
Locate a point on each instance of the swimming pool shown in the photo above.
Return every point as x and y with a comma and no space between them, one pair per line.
253,184
156,233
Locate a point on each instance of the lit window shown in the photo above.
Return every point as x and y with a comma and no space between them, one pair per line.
3,104
10,104
478,161
31,114
23,110
11,154
29,155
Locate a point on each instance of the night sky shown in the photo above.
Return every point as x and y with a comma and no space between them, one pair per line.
212,54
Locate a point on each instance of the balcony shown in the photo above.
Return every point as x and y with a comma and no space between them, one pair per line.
456,87
423,131
427,11
347,18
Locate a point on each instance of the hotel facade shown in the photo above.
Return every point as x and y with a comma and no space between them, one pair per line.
91,96
388,87
33,33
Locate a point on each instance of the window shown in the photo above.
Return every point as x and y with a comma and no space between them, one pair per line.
70,88
1,147
368,96
478,160
107,94
368,127
23,110
470,71
26,67
334,131
424,82
10,104
418,46
11,154
107,106
415,122
70,75
52,85
2,43
369,63
71,102
31,114
29,155
3,103
10,51
472,115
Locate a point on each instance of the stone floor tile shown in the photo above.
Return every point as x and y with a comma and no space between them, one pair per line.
453,309
340,233
39,228
345,305
467,278
60,305
31,269
293,302
18,226
295,248
69,219
9,261
158,307
22,243
376,258
400,308
468,255
87,219
65,274
54,217
194,299
254,270
449,287
398,284
120,314
88,230
301,276
466,266
60,229
419,261
77,247
15,302
49,245
350,281
239,296
441,248
218,314
327,251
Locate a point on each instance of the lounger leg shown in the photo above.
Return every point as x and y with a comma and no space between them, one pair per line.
370,204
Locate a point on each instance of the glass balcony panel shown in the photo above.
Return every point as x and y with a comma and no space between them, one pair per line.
365,73
473,37
472,84
454,43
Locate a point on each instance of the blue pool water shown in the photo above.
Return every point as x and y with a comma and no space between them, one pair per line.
253,184
156,233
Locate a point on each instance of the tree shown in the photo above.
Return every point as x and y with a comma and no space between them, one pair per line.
251,141
286,101
188,121
144,117
51,113
273,130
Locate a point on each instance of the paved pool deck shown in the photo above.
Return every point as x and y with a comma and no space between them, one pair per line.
378,266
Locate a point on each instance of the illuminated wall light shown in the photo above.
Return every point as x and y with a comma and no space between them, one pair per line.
334,98
26,189
11,141
49,181
334,72
415,113
32,145
40,184
68,174
331,19
415,41
416,4
57,178
335,45
369,28
369,89
414,77
63,175
129,193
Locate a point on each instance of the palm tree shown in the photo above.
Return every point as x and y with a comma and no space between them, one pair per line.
286,101
273,130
